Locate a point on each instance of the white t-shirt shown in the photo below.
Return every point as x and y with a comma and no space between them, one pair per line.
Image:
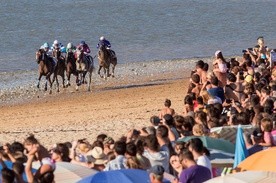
204,161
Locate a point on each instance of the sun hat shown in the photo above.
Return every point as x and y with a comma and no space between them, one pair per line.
98,156
217,52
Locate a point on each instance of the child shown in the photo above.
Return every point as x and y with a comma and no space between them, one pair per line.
266,127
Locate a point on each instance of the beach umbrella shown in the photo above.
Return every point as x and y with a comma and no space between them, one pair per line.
9,166
229,132
121,176
68,172
213,143
240,150
264,160
246,177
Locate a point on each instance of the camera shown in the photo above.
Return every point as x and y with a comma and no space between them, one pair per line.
228,101
136,132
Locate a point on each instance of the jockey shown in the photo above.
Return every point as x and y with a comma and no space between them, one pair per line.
83,47
47,50
70,48
57,45
104,42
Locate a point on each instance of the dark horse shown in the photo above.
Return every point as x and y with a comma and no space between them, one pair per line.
70,61
84,65
60,67
45,68
106,57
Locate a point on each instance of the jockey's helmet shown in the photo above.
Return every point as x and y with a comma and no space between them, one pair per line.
55,42
46,45
82,42
69,45
102,38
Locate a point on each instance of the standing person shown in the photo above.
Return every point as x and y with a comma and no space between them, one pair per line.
156,174
220,67
192,172
196,147
201,71
154,154
120,161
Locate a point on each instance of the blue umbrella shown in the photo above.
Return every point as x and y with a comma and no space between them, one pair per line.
240,151
121,176
9,166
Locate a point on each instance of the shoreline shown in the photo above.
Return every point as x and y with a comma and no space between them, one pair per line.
20,86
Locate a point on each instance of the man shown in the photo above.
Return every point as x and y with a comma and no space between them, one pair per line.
192,172
104,42
154,154
84,48
156,174
120,161
215,89
196,147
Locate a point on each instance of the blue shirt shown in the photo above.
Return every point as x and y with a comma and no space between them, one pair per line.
218,92
105,43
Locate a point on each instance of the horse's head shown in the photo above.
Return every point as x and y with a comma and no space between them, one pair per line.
39,55
79,55
70,57
57,53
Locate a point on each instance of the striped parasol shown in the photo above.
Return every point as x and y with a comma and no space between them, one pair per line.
68,172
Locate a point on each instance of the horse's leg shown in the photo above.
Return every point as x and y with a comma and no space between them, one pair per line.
89,81
113,68
99,71
107,70
56,78
77,82
105,77
39,78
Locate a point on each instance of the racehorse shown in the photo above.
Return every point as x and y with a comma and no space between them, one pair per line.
45,68
84,64
106,57
60,67
70,62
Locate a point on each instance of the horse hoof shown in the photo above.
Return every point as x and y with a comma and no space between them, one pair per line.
113,76
37,86
101,76
50,92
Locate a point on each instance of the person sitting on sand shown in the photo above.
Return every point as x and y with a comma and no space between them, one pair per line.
167,109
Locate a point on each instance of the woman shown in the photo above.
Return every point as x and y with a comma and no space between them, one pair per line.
39,152
220,67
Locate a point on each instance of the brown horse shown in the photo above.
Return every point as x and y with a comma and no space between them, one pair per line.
70,66
45,68
106,57
60,67
84,64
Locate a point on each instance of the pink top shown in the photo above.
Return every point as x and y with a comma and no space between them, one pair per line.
268,138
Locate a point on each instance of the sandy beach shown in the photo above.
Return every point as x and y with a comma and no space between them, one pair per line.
112,107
